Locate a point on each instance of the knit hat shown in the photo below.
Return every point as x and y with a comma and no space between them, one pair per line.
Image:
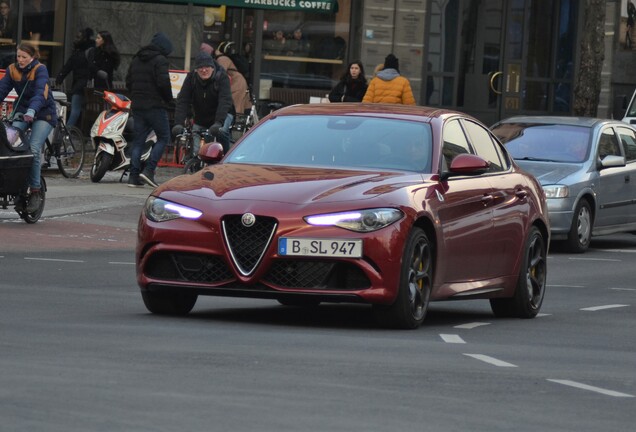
391,62
161,41
203,59
206,48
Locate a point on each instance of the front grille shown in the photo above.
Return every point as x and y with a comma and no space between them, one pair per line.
310,274
188,267
248,244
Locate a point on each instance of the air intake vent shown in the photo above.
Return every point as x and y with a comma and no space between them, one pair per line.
247,244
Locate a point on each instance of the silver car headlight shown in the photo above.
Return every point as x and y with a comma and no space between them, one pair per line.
358,220
556,191
160,210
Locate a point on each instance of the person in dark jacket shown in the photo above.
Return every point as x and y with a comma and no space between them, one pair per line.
78,64
34,106
148,82
105,57
352,85
206,92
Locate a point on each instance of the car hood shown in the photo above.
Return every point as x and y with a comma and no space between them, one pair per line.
548,172
292,185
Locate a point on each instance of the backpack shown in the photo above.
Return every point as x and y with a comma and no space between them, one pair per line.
241,63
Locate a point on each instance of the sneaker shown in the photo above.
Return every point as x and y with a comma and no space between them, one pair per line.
149,178
133,181
35,201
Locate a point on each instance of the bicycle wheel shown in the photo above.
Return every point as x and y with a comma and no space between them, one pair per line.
71,157
32,218
193,165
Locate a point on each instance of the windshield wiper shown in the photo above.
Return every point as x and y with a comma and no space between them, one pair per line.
535,159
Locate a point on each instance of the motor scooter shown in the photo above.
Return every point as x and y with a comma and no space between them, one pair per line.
111,133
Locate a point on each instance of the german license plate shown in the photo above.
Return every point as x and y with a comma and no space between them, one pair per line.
340,248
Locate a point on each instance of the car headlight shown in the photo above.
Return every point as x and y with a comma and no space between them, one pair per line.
359,220
556,191
160,210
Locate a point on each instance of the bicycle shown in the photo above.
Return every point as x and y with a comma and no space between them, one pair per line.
66,145
185,144
244,122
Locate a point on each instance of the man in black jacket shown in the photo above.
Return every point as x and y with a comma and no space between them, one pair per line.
205,91
148,81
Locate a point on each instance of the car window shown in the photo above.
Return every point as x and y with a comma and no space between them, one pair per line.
484,146
628,138
338,141
607,144
455,143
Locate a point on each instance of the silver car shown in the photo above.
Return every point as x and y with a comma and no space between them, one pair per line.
587,168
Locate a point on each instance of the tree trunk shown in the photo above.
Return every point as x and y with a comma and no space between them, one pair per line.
587,88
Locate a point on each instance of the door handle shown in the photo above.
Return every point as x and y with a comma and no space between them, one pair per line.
487,199
492,82
521,194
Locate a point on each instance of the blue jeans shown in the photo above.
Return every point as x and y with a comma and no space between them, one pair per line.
77,100
40,130
145,121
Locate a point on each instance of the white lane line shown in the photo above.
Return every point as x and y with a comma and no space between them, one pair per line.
543,314
490,360
472,325
598,308
54,260
619,250
452,338
594,259
566,286
591,388
616,289
121,263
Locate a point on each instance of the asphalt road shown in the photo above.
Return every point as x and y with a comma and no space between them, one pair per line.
79,352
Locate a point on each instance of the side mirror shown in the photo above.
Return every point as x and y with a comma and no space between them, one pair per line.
466,164
612,161
211,152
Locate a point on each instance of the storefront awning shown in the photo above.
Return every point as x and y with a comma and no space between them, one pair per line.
321,6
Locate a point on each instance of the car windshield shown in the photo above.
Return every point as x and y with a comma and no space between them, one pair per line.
545,142
338,141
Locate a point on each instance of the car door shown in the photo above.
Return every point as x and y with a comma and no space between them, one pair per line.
465,216
614,191
509,205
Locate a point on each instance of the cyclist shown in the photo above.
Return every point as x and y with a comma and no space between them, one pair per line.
35,107
205,91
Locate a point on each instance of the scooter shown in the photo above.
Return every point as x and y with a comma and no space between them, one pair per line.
111,133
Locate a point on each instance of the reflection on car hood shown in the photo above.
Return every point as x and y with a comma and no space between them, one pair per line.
547,172
294,185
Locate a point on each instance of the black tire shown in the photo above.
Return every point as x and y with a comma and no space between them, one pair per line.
531,283
71,158
32,218
580,234
193,165
100,166
416,281
169,303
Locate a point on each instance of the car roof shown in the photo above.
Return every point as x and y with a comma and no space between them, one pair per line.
560,120
404,112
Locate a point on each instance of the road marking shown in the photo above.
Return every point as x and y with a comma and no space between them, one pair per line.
590,388
624,289
491,360
452,338
121,263
472,325
566,286
594,259
598,308
54,260
543,314
619,250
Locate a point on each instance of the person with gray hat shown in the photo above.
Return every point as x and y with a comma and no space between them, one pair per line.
148,81
206,92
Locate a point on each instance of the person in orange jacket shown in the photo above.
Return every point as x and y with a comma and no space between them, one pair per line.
388,86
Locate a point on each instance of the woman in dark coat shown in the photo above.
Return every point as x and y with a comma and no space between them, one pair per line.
106,58
78,64
352,85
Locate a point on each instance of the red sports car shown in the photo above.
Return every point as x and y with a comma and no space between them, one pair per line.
388,205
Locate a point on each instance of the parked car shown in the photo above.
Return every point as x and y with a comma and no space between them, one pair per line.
388,205
587,168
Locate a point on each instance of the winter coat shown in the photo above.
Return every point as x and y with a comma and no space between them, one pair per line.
238,84
37,96
349,90
210,100
78,64
148,79
389,87
101,60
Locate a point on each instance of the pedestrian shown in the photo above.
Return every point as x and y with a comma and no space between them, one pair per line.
389,86
78,64
148,82
238,84
34,107
104,57
352,86
206,93
7,21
